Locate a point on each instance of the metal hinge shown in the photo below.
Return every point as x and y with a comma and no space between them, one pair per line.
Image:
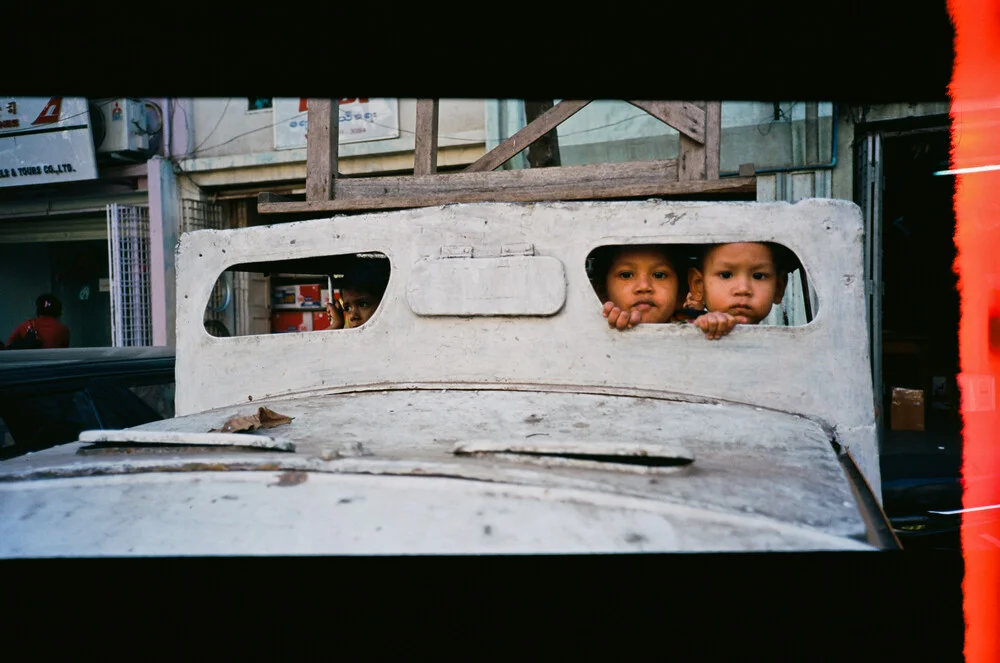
505,250
456,251
517,250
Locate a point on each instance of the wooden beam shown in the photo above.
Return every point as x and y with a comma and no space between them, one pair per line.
544,152
713,138
271,197
526,136
687,118
321,148
523,180
426,130
691,156
596,191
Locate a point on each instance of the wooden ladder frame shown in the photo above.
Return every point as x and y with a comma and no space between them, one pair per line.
694,173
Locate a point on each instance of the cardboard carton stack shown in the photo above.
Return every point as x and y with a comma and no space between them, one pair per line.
299,308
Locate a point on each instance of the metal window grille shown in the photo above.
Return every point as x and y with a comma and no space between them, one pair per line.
128,267
206,215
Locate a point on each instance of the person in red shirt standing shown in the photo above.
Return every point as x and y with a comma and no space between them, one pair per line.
50,333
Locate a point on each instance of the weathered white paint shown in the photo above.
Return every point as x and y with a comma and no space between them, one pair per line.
819,370
515,285
255,513
747,460
168,438
576,447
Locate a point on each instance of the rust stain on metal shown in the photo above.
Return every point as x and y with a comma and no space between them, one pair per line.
291,478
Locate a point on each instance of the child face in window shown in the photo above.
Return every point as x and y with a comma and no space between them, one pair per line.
739,279
359,305
643,280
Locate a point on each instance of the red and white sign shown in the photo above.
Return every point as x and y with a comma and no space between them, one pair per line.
360,120
45,140
284,322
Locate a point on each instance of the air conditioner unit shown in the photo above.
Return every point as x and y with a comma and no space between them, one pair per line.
119,127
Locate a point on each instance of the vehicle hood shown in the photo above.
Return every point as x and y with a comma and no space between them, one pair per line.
723,465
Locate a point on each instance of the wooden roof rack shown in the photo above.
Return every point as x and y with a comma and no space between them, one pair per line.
695,173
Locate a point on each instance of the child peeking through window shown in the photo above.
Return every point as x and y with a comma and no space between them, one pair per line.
732,284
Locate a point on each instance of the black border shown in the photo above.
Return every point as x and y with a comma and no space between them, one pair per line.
887,606
851,50
882,606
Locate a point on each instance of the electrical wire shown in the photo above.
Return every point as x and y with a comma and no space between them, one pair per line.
782,115
218,122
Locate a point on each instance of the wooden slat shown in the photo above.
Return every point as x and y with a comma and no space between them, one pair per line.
732,185
425,149
526,136
269,197
687,118
321,148
691,157
713,138
544,152
526,180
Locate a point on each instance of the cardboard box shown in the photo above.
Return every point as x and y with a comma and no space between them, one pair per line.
907,409
299,296
291,321
308,296
283,295
320,320
295,321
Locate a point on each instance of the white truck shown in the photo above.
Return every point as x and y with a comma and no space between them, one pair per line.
487,407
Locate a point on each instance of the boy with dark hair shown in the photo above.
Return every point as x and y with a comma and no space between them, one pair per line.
362,290
739,282
43,331
642,284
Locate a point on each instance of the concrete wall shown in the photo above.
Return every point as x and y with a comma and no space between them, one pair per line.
903,110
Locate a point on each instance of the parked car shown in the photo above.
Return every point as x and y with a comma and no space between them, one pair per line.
47,397
486,406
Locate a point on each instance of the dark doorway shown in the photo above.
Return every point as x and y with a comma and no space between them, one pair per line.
80,280
919,336
920,310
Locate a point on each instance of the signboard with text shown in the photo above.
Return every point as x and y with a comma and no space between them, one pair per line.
360,120
45,140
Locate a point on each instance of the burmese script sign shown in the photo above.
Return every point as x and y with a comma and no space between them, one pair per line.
45,140
359,120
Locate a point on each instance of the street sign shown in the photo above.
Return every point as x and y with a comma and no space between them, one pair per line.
360,120
45,140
